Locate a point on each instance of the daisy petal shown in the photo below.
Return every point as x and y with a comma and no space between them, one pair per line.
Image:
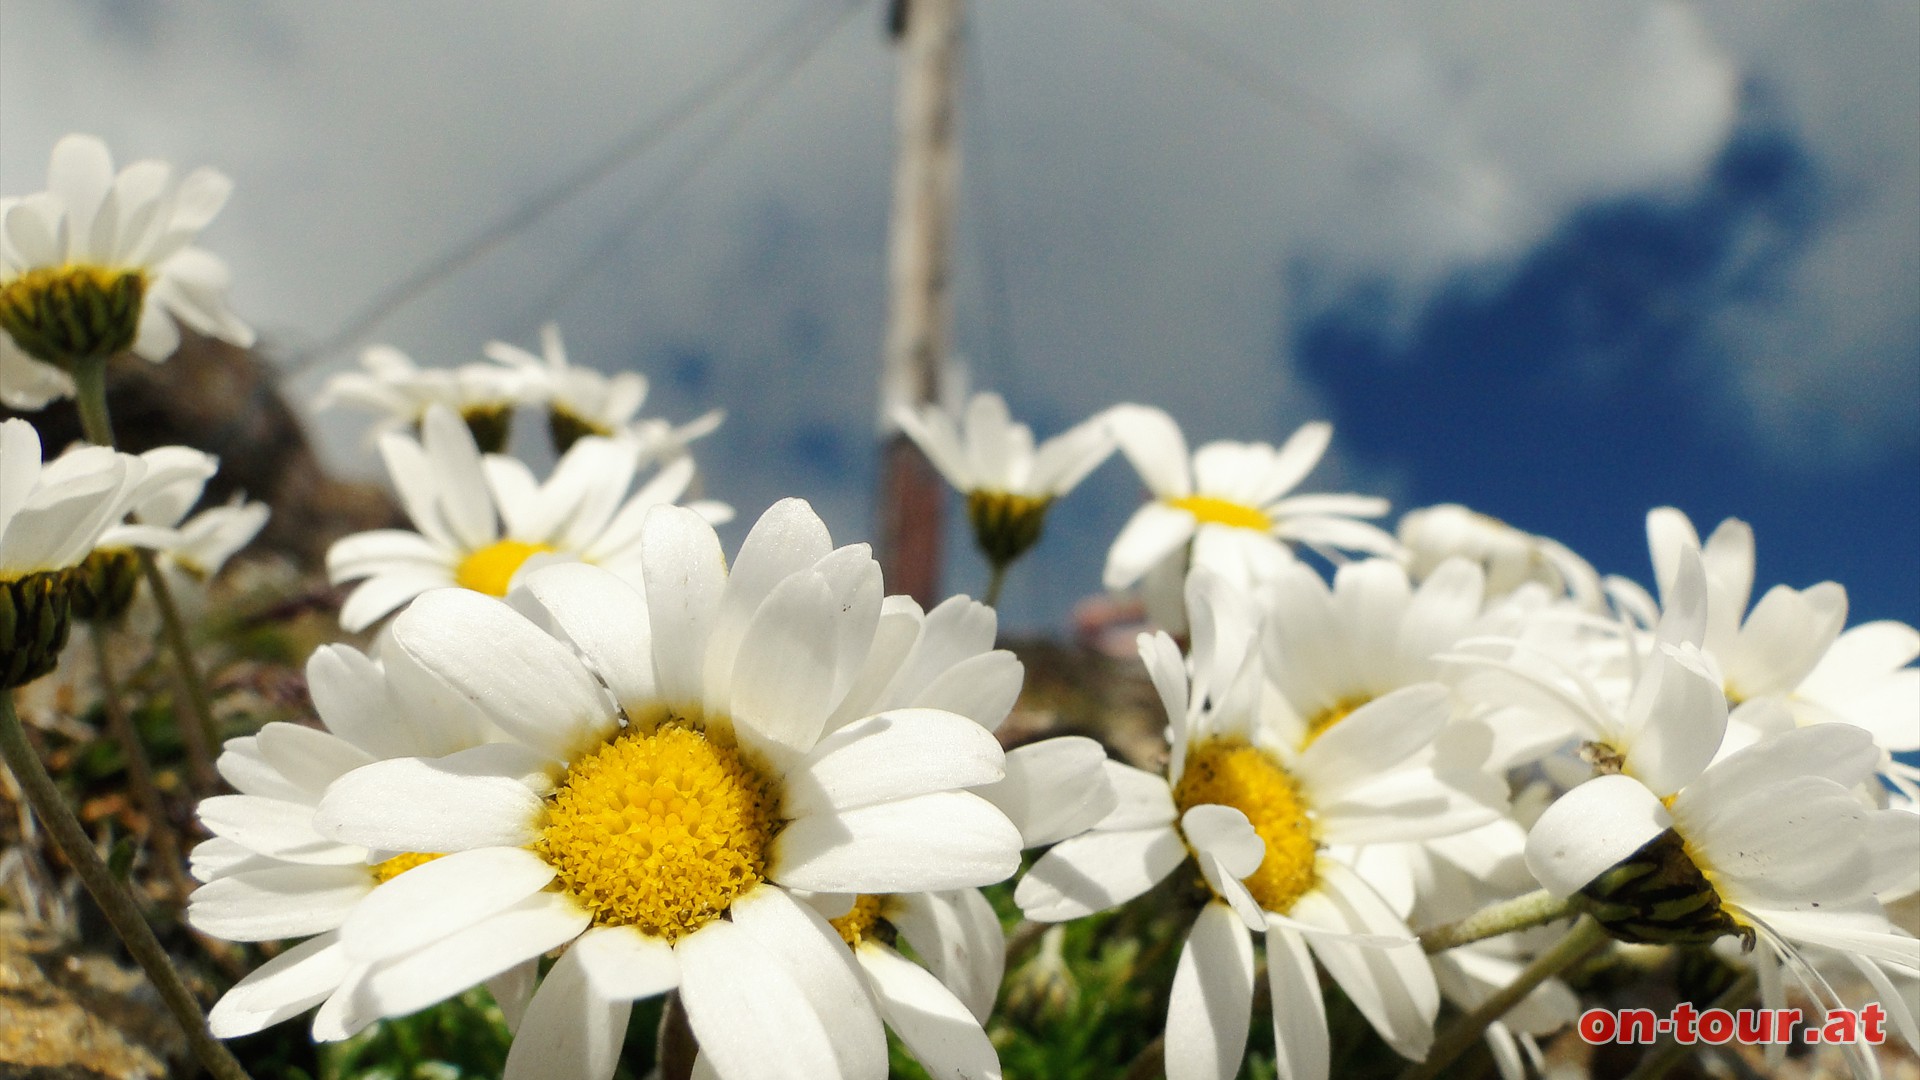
937,1028
1054,788
897,755
409,804
1212,998
1301,1047
278,902
958,936
622,964
1590,829
474,954
945,840
285,986
440,897
1097,871
570,1028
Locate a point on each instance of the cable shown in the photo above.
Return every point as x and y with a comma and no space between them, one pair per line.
1431,177
644,211
636,142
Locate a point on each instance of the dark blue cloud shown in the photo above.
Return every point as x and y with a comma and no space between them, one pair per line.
1577,391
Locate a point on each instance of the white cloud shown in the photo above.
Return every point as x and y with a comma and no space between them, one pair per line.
1146,206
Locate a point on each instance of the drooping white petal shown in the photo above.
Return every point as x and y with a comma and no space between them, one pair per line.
1212,1000
570,1028
1590,829
958,936
1393,987
1378,735
1053,789
1301,1046
622,964
1097,871
936,1026
776,999
284,830
285,986
474,954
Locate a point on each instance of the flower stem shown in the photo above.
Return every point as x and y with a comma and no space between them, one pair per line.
1668,1054
90,399
996,580
1583,940
1520,913
166,847
196,732
71,839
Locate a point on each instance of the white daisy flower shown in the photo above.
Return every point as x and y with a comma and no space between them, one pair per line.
582,401
481,518
51,515
1508,556
1272,826
683,767
1053,788
1661,724
1770,843
399,392
1789,650
1008,482
101,263
268,875
198,544
1229,503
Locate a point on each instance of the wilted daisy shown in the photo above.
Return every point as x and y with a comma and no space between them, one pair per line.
51,515
1008,482
1272,826
102,263
269,876
480,519
1226,508
399,392
1770,844
1787,660
682,766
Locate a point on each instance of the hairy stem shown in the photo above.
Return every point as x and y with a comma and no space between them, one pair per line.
996,580
1521,913
1585,939
71,839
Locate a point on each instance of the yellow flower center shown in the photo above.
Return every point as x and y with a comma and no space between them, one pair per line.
65,314
384,872
1319,723
1212,511
660,831
1231,773
862,921
490,570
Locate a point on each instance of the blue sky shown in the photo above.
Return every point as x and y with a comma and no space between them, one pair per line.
1560,263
